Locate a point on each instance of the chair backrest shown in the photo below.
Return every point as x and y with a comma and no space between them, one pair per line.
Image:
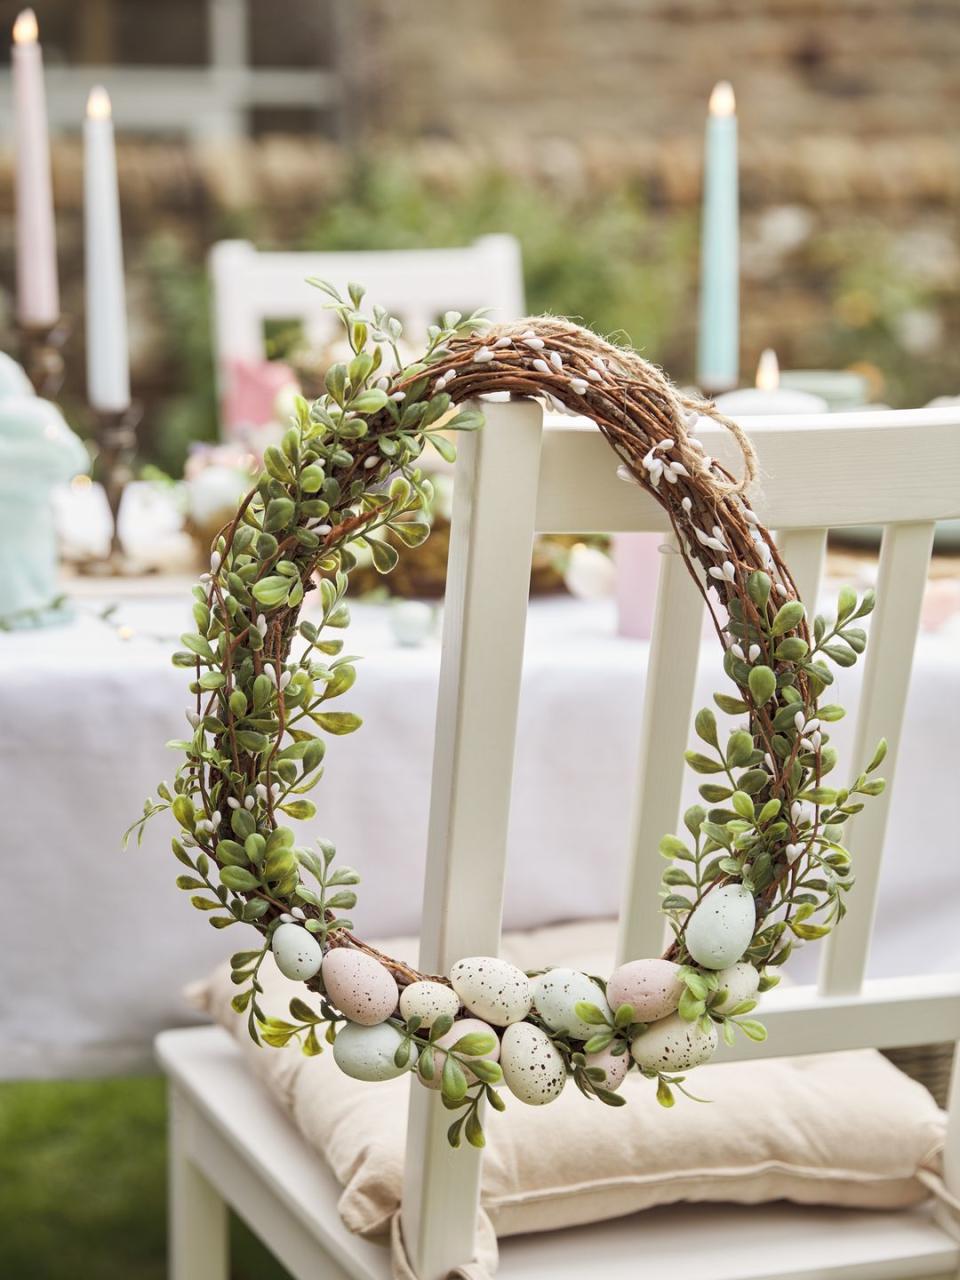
900,470
416,285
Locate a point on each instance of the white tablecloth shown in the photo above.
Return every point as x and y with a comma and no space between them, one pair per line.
98,944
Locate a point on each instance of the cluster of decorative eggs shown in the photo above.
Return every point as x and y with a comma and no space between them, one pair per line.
498,997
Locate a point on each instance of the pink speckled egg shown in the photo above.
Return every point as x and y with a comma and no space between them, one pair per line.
653,987
463,1027
360,987
615,1065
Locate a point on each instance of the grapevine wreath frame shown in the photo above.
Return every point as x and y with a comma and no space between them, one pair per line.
762,867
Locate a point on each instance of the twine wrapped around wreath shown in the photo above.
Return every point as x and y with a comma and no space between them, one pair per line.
770,852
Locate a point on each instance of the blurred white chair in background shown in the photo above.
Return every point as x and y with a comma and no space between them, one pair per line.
251,288
231,1145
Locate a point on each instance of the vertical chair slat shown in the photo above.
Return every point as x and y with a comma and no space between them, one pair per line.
804,551
668,700
904,558
488,579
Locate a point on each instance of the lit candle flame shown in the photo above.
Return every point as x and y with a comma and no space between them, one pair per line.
722,101
25,30
98,104
126,633
768,370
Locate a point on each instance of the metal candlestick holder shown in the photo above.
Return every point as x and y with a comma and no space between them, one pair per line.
41,354
116,438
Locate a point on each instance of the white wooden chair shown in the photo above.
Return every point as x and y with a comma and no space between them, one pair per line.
229,1142
416,285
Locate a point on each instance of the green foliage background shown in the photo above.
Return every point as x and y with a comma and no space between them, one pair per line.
615,258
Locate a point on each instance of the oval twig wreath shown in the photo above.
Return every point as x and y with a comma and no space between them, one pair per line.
762,866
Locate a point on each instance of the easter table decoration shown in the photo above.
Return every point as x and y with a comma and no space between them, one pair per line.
756,869
37,451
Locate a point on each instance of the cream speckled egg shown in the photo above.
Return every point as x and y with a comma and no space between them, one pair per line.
428,1001
360,987
367,1053
556,993
653,987
616,1066
532,1065
297,952
463,1027
673,1045
740,982
721,927
493,989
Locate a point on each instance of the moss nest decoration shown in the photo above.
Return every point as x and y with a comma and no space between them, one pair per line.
758,869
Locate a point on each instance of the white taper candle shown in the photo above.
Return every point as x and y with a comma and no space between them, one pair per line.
38,293
108,371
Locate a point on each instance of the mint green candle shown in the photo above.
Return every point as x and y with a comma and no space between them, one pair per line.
718,350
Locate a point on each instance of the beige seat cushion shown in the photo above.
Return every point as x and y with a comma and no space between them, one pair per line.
840,1129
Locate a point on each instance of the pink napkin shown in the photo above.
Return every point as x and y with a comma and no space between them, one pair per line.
252,390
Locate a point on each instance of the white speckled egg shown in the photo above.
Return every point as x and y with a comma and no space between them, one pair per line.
740,982
721,927
533,1066
493,989
556,992
616,1066
653,987
673,1045
297,952
367,1052
463,1027
428,1001
360,987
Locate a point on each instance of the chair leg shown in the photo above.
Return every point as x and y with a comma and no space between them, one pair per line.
198,1241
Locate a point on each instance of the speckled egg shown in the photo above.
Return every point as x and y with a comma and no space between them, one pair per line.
298,954
367,1052
557,992
463,1027
721,927
616,1066
673,1045
360,987
493,989
533,1067
428,1001
653,987
740,982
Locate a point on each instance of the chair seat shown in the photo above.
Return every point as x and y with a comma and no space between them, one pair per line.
249,1150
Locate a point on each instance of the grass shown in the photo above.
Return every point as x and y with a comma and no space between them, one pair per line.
82,1184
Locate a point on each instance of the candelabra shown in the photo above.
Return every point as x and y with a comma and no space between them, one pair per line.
41,354
115,432
116,437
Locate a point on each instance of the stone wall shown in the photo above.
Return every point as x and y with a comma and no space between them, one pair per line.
850,176
643,69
